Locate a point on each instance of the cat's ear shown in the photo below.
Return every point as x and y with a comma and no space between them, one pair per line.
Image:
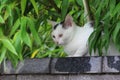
68,21
53,23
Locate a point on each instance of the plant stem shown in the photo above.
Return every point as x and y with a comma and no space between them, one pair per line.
87,10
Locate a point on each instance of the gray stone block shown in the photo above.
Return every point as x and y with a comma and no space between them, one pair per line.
27,66
95,77
76,65
70,77
85,77
42,77
111,64
8,77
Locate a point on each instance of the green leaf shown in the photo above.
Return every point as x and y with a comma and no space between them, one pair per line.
23,5
2,6
35,6
6,42
93,40
106,16
13,58
9,11
116,10
112,5
64,8
24,35
116,31
2,54
18,45
15,26
33,30
1,19
90,42
58,3
79,2
1,32
6,15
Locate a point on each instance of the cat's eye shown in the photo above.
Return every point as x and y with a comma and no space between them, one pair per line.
53,36
60,35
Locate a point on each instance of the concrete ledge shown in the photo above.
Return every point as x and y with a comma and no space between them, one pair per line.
8,77
111,64
76,65
62,77
69,65
28,66
42,77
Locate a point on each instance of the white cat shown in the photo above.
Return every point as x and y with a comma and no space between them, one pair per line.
73,38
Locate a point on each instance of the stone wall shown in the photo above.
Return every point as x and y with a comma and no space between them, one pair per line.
76,68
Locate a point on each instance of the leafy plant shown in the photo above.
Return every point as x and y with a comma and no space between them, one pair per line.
25,32
107,12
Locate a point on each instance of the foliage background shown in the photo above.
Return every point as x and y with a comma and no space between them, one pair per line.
25,33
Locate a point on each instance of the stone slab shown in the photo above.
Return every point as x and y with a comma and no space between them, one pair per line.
70,77
8,77
76,65
42,77
95,77
28,66
111,64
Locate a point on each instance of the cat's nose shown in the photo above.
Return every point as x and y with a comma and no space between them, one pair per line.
56,42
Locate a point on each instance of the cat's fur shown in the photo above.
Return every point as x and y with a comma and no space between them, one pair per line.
73,38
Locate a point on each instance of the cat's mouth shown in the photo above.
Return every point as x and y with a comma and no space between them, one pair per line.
59,43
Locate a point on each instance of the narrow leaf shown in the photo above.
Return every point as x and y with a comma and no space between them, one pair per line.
2,54
35,6
116,10
64,8
112,5
1,32
6,14
1,19
33,30
18,45
6,42
23,5
24,35
80,3
116,31
15,27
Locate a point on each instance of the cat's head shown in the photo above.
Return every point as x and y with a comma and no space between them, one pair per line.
62,32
